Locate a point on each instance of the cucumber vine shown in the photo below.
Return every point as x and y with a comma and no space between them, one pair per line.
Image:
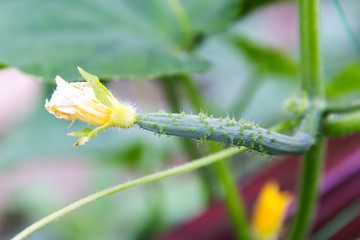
315,120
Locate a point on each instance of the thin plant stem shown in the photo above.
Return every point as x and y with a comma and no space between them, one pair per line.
338,222
234,203
354,40
150,178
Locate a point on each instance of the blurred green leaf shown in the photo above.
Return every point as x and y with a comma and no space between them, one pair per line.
211,16
108,38
346,83
266,59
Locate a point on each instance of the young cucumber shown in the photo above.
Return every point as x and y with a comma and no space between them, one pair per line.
240,133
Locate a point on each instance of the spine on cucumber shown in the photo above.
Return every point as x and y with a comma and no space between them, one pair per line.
240,133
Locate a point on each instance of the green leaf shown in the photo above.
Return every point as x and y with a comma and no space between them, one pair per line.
81,133
101,93
346,83
86,137
266,59
109,37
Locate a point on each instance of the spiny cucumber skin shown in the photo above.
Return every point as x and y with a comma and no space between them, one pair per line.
240,133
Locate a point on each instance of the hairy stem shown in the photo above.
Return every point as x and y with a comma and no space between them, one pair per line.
150,178
311,121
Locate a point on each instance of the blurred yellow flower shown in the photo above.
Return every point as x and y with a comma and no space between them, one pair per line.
89,102
269,212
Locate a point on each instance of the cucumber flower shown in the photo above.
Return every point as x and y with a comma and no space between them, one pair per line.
269,212
89,102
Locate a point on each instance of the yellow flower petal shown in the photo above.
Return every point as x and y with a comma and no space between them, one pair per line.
89,102
269,212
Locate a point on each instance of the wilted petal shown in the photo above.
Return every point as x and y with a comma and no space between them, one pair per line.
89,102
76,101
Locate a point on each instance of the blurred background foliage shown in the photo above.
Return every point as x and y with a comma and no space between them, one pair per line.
242,56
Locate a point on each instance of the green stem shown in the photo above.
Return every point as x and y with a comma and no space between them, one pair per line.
354,41
234,203
311,171
337,125
233,199
344,108
311,121
183,21
194,94
150,178
312,84
170,86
